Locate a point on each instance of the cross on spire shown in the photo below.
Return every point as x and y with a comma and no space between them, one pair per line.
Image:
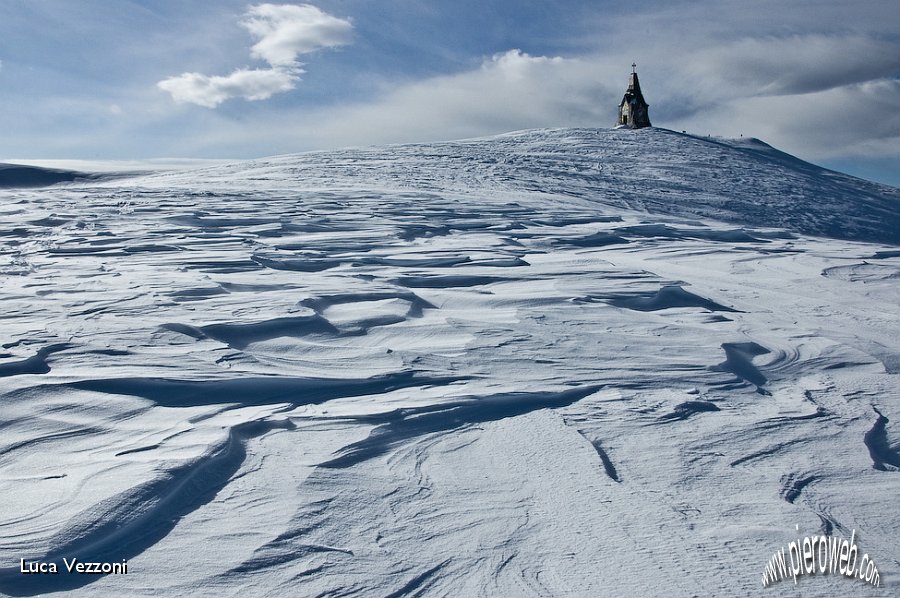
633,66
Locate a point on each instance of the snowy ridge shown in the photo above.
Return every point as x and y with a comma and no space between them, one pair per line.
657,171
554,362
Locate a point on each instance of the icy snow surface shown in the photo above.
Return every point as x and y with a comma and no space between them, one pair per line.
569,362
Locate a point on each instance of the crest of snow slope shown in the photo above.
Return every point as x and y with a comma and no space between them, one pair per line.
655,171
566,362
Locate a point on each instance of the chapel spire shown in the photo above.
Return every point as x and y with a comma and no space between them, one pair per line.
633,111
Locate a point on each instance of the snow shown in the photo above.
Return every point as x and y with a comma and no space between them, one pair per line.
554,362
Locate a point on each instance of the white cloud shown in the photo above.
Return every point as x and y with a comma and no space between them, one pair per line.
794,64
508,91
860,119
512,90
256,84
284,32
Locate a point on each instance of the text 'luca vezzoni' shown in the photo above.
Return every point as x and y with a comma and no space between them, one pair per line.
73,566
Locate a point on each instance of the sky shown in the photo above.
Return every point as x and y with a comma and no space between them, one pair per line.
134,80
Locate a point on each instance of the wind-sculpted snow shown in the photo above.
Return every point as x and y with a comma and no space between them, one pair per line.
408,423
550,363
125,524
883,454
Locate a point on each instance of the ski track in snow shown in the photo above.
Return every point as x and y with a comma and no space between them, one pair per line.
557,362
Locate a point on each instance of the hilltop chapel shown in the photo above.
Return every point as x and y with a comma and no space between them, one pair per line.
633,109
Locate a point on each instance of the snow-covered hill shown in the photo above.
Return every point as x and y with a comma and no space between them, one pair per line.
557,362
655,171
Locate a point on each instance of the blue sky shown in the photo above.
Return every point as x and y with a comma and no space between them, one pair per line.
94,79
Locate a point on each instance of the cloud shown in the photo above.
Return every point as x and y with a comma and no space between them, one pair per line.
284,31
507,91
863,119
209,92
510,90
794,64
